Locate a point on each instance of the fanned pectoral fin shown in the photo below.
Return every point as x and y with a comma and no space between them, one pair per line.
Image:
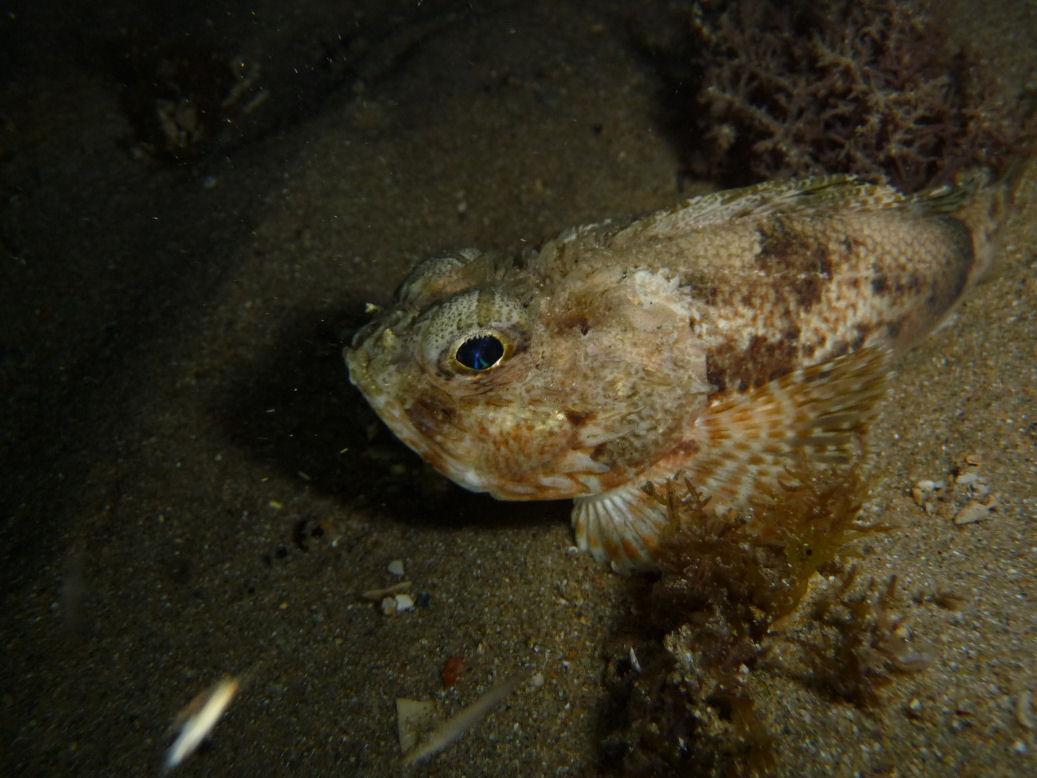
749,445
622,526
814,417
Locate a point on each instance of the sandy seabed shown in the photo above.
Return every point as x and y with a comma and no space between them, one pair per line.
192,489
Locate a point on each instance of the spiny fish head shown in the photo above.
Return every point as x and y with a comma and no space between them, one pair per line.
527,386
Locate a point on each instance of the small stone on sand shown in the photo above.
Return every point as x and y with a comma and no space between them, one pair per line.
413,719
404,602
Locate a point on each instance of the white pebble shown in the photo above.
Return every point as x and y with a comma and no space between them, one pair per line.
972,512
413,717
1024,709
396,567
404,602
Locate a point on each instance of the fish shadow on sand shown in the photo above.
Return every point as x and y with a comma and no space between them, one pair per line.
295,409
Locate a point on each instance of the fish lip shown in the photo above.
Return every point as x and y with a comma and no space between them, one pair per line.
352,367
356,357
358,353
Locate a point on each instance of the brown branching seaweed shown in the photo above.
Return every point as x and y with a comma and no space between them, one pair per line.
726,588
869,87
860,642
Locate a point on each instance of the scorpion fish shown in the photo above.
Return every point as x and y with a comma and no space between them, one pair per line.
707,344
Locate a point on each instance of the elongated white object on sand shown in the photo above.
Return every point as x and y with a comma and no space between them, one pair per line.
454,727
198,720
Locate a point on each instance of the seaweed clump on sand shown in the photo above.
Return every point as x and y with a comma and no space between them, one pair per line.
183,98
728,595
858,641
869,87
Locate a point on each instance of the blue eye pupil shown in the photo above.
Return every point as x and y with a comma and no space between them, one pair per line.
480,353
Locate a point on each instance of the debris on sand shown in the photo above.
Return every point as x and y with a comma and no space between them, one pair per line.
455,727
198,718
413,718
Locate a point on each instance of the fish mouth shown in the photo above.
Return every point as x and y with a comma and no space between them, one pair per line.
363,375
375,341
351,355
429,429
436,449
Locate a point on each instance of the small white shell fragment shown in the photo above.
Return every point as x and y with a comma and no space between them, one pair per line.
388,606
972,512
1024,709
413,719
633,660
395,567
404,602
196,721
967,478
922,492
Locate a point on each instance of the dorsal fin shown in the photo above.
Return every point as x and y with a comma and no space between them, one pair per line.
820,192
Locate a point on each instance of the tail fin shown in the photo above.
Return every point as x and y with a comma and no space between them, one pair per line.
986,212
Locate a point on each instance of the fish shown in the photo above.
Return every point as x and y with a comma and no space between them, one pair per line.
709,344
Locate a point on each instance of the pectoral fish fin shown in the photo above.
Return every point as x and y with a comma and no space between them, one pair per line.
748,444
621,526
815,415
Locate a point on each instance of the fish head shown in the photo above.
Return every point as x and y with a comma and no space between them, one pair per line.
530,380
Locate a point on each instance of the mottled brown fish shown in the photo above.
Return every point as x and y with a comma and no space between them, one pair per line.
707,344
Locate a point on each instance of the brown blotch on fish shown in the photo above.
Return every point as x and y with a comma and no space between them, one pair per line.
762,361
792,257
572,320
426,413
576,418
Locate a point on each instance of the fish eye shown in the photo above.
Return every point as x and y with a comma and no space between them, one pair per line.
480,353
471,336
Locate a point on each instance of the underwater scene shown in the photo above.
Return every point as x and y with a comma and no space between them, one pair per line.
518,388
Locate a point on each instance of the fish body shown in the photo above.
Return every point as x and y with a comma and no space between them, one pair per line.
706,343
